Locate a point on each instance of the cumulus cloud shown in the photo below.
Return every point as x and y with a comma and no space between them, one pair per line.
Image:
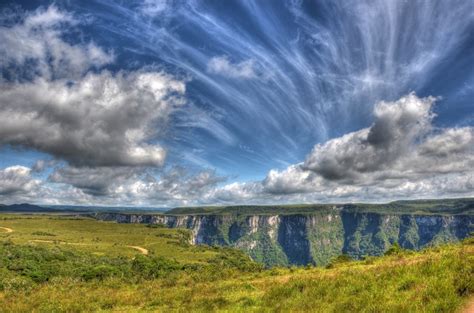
223,66
62,106
401,143
134,185
101,119
15,180
397,129
400,155
291,180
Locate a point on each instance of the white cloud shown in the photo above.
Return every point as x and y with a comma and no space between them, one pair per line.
100,119
35,46
132,185
154,8
63,102
16,180
396,131
222,66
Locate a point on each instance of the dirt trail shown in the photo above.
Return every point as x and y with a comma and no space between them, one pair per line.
39,240
7,230
63,242
141,249
469,308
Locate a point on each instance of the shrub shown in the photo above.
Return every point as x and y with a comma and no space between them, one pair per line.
99,272
155,226
340,259
43,233
394,249
150,267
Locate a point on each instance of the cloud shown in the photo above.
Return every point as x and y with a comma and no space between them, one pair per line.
408,159
154,8
291,180
35,46
61,94
222,66
101,119
397,128
62,102
132,185
400,155
16,180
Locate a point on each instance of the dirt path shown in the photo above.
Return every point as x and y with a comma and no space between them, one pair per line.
141,249
62,242
7,230
469,308
39,240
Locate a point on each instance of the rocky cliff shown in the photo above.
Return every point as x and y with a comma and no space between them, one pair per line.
311,238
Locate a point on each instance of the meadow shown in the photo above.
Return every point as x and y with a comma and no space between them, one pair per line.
68,264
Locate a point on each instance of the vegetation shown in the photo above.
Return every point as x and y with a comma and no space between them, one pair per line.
50,275
430,206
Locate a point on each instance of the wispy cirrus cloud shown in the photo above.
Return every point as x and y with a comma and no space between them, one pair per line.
222,66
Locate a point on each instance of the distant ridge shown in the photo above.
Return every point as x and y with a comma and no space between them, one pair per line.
426,206
31,208
24,208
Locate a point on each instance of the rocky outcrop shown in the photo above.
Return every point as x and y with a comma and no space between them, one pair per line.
311,238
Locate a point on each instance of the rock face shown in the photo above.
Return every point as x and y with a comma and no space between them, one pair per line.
314,238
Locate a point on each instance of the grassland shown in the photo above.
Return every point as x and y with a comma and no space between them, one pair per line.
100,238
100,273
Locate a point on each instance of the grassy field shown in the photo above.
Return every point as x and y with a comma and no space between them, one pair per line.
100,238
100,273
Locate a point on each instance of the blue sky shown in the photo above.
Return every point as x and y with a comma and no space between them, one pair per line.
252,88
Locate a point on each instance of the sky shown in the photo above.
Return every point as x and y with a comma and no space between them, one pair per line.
177,103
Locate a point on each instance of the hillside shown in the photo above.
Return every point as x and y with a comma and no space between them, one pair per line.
102,271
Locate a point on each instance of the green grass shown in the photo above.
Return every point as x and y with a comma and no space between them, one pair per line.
105,276
98,237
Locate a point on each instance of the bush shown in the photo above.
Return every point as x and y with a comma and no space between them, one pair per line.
394,249
155,226
154,267
340,259
99,272
42,233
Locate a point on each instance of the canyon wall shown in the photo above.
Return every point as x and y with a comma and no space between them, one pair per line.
315,238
